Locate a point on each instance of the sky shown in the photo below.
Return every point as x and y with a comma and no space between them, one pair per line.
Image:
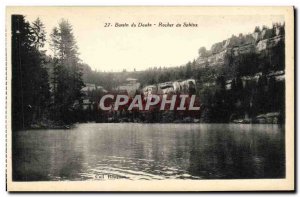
115,49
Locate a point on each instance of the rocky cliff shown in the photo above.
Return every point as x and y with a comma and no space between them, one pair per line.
256,42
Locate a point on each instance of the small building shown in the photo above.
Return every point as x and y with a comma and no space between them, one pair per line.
131,80
88,87
130,87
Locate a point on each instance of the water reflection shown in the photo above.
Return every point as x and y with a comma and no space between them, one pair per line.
150,151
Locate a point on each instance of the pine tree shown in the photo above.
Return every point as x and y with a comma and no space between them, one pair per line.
39,33
188,72
42,77
30,87
67,70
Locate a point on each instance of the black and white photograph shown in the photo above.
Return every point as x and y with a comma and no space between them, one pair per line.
150,98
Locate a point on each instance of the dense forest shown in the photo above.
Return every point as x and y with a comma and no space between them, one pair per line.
255,78
44,88
47,89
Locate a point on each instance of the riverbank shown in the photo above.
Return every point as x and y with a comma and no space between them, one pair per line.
50,124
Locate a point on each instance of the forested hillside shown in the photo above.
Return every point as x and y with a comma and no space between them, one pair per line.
240,79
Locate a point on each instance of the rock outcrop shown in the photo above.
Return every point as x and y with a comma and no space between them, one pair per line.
251,43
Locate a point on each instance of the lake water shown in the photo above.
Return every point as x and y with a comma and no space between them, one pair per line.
150,152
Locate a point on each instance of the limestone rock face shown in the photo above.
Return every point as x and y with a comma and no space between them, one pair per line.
255,42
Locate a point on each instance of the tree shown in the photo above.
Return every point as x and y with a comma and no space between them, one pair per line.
257,29
188,72
39,33
202,52
264,27
42,77
67,70
55,41
30,87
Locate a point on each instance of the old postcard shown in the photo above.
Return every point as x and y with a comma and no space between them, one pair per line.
150,98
